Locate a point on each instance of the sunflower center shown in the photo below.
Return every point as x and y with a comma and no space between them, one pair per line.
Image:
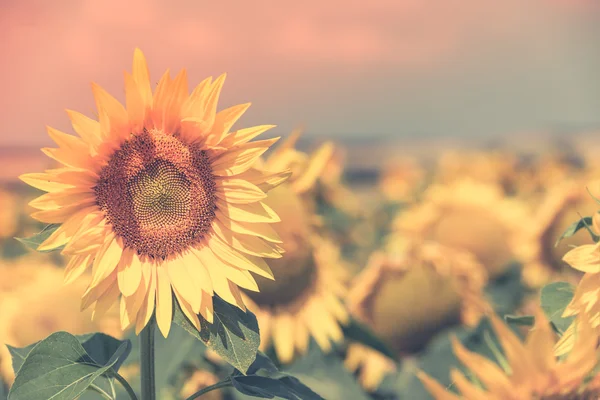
296,272
158,194
428,302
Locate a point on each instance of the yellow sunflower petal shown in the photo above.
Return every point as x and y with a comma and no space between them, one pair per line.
585,258
164,302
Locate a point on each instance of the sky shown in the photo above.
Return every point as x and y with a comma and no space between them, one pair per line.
393,68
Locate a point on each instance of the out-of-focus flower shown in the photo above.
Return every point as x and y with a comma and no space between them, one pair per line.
199,380
493,167
414,289
563,205
468,215
306,298
371,365
158,198
35,307
528,370
401,180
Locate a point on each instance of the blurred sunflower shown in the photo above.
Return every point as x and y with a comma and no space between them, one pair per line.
527,370
494,167
539,172
306,300
468,215
331,188
158,198
413,289
563,205
199,380
39,305
401,180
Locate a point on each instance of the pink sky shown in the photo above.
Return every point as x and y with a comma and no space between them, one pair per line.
297,62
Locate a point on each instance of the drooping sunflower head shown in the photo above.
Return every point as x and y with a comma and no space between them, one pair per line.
562,205
468,215
159,198
527,370
413,289
306,301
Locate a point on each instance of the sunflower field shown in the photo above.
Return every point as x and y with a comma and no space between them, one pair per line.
168,253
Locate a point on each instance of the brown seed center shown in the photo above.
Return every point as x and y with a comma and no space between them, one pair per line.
158,193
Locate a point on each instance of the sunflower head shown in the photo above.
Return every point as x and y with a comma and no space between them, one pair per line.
468,215
526,370
159,197
306,301
413,289
562,205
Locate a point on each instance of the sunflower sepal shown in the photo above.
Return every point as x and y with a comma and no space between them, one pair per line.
555,297
63,366
264,380
233,334
584,222
34,241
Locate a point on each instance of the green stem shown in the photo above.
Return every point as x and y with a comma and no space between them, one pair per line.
218,385
125,385
147,360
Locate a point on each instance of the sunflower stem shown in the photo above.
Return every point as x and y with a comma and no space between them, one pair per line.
147,360
218,385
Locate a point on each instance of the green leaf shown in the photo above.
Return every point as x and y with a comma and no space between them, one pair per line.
525,320
233,334
359,332
326,375
584,222
555,297
60,368
35,240
99,346
265,381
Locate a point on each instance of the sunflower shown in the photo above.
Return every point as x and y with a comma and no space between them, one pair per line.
413,289
199,380
468,215
494,167
306,302
401,180
157,197
34,308
528,370
563,205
